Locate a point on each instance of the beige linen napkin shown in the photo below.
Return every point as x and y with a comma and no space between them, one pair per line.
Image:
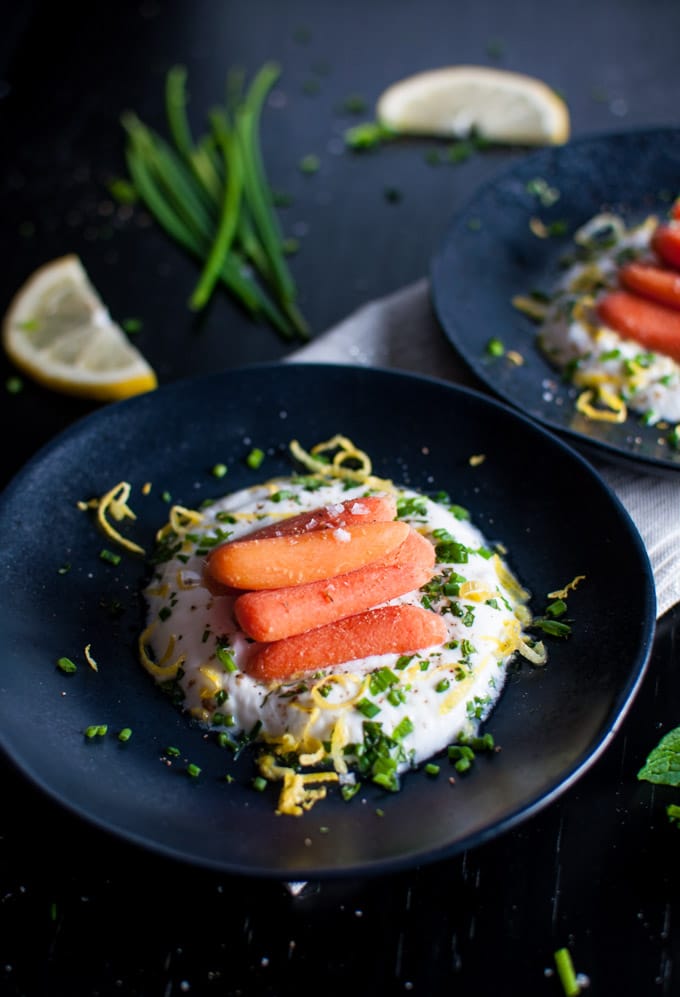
401,331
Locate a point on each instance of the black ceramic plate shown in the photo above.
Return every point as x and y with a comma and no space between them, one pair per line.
490,254
530,491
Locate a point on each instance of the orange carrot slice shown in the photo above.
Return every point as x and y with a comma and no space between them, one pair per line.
666,244
293,559
386,630
274,614
657,283
352,512
654,326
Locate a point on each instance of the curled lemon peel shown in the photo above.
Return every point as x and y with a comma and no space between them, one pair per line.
159,670
531,307
115,503
339,738
615,412
475,591
569,587
180,521
537,654
90,660
339,679
508,581
213,677
299,791
345,451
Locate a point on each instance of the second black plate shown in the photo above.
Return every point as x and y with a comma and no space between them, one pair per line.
490,254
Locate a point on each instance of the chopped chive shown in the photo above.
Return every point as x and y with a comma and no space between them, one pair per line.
219,470
565,971
96,730
193,770
67,666
125,734
255,458
259,783
109,556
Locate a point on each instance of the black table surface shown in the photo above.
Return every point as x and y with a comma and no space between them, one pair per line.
596,870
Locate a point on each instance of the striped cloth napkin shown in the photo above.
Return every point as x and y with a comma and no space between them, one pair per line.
401,331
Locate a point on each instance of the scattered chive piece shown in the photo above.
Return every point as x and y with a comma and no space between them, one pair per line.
259,783
67,666
193,770
255,458
125,734
96,730
432,769
64,569
565,971
110,556
219,470
172,752
495,348
123,191
14,385
310,164
132,325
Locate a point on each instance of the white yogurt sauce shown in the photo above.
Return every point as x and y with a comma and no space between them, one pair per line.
572,337
423,701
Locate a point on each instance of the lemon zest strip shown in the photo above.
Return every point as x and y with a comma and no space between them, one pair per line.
346,450
570,587
160,670
115,502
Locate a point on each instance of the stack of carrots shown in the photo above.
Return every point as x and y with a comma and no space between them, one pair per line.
309,590
647,306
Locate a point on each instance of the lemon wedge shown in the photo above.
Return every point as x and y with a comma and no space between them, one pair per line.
58,331
496,104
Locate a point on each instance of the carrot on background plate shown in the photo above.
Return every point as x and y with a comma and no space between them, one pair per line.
666,244
654,326
274,614
400,629
660,284
294,559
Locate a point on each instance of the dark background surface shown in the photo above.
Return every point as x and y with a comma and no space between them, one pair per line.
597,870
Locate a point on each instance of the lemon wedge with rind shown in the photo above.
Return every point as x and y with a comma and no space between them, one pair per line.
496,104
58,331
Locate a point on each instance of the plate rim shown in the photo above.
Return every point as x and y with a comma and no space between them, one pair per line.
634,675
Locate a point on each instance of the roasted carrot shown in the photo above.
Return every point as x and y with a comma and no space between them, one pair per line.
352,512
294,559
657,283
397,629
274,614
655,327
666,244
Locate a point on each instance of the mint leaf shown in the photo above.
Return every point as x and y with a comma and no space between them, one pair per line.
663,763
